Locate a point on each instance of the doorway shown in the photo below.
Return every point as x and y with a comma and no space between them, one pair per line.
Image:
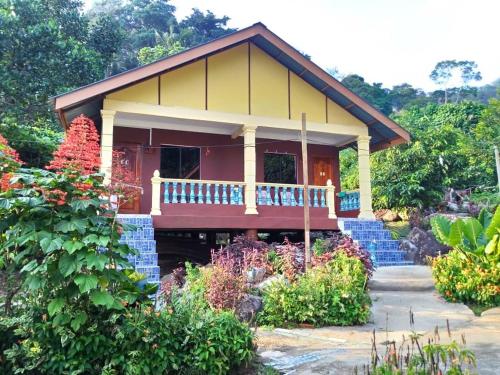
322,171
131,160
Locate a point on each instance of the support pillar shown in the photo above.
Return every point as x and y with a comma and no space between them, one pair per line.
250,167
365,186
108,118
252,234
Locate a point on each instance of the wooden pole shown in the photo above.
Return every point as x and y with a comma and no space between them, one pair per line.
305,178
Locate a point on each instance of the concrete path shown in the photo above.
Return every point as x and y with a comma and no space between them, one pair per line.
395,292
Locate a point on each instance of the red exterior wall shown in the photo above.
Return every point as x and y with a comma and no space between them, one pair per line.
221,157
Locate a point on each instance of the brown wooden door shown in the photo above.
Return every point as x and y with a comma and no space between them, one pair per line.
131,160
322,171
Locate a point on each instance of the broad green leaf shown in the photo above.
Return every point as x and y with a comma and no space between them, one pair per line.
91,238
484,217
86,282
494,226
62,319
441,229
30,266
55,306
72,246
64,226
67,264
97,261
80,224
492,245
49,244
33,282
472,230
456,236
79,319
101,298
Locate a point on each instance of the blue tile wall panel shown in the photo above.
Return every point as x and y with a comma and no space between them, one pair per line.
371,235
142,239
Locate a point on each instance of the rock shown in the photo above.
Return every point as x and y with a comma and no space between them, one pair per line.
270,280
256,275
248,307
390,216
420,244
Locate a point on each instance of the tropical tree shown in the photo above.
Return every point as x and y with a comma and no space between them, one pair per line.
444,71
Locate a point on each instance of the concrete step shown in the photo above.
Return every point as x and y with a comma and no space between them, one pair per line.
369,235
380,245
142,233
144,259
407,278
356,224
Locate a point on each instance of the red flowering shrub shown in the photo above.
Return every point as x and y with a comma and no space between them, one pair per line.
249,253
9,162
80,151
226,285
291,258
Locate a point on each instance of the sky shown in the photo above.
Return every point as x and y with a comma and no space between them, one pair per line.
388,41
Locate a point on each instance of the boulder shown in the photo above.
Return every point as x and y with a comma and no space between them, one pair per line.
270,280
420,244
388,215
248,307
256,275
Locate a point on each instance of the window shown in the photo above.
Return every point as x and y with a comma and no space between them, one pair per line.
280,168
180,162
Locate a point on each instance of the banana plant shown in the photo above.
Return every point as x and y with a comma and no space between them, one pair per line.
479,236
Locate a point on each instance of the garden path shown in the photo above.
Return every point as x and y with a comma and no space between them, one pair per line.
394,291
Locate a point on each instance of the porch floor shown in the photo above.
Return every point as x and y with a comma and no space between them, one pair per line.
194,216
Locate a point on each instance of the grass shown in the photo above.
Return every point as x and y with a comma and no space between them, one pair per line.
398,229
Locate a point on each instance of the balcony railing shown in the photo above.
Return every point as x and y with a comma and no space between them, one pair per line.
202,191
269,194
349,200
175,191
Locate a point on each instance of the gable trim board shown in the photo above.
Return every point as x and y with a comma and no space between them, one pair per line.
298,67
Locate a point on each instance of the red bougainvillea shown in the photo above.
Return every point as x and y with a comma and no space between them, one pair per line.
9,162
80,150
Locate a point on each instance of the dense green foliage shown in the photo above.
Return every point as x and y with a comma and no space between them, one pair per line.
72,301
470,273
479,237
330,294
451,146
470,280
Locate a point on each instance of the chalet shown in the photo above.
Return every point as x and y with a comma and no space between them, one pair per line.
213,134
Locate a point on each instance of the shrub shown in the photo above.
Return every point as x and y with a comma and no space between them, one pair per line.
325,250
333,293
180,339
226,284
460,278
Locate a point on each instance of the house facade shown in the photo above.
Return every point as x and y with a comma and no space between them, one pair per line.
214,136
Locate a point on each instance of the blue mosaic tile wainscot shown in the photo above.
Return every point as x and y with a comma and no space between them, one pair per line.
142,239
371,235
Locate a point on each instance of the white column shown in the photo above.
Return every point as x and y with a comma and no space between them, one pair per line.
108,118
155,193
365,186
330,199
250,167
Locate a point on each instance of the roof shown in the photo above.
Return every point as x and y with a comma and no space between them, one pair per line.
384,131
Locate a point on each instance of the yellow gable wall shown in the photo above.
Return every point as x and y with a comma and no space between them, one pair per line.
305,98
227,81
144,92
268,85
338,115
184,87
239,83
